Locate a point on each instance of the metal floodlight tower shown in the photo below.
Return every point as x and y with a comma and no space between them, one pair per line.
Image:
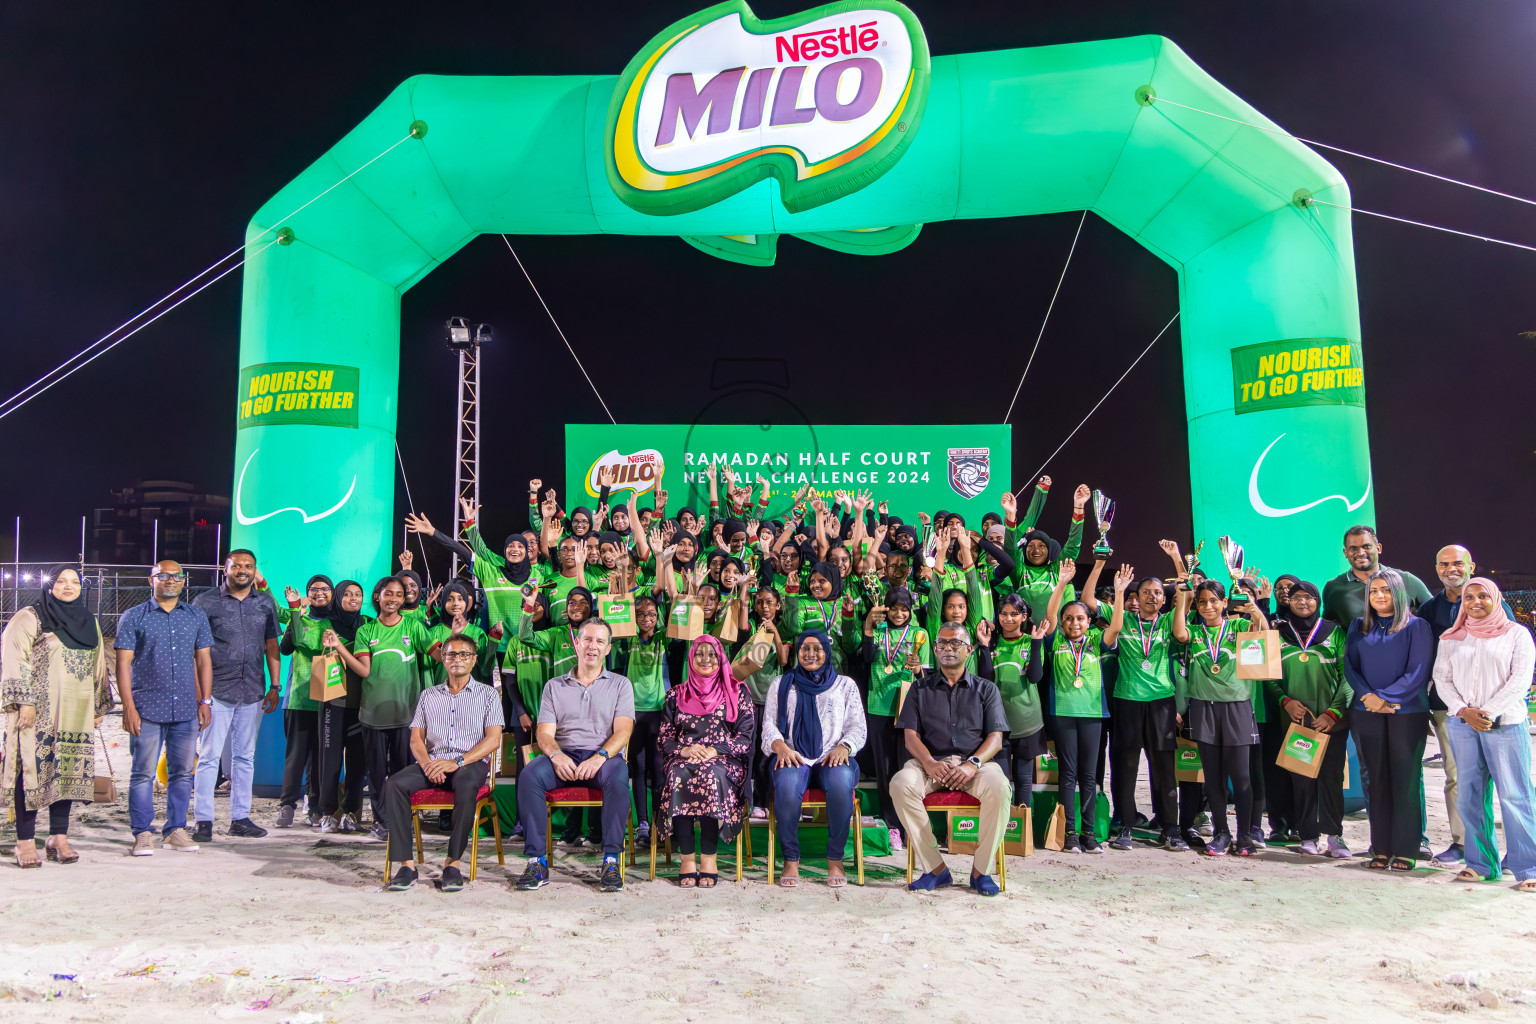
466,339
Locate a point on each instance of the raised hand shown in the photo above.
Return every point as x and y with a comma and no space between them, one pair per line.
1080,496
661,498
1065,570
1045,482
880,534
432,597
1041,631
294,598
1171,548
885,508
605,476
469,512
713,472
1265,588
1123,577
406,558
1010,506
419,524
653,536
984,632
534,485
668,531
924,518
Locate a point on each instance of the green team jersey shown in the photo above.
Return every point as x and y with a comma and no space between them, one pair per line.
306,647
644,664
485,663
558,587
557,644
803,612
1145,658
419,613
532,668
1213,678
1318,682
1068,699
759,681
888,671
503,598
1021,698
396,671
954,578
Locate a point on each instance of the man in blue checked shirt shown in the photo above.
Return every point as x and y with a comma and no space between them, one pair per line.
165,679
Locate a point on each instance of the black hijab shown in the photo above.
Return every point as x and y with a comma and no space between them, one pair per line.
455,587
1052,549
830,573
582,510
1300,628
320,611
345,623
516,572
70,621
591,603
905,530
420,588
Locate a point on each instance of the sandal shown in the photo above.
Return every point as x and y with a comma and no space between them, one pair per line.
687,879
836,881
35,862
1400,864
788,881
1379,862
1529,885
62,858
708,879
1468,875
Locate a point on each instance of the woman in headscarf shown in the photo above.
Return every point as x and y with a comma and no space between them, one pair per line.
341,734
814,725
758,659
303,640
1313,694
1389,653
1035,574
707,729
1483,672
454,616
1276,782
414,607
53,695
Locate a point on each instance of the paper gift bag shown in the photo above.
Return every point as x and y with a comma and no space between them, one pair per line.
686,620
730,622
1056,830
327,678
1019,837
1186,762
1047,769
963,830
1258,655
1302,751
618,610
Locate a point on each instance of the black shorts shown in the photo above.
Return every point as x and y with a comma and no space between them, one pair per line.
1143,723
1225,723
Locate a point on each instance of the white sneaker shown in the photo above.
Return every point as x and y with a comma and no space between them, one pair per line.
180,841
143,845
329,824
348,824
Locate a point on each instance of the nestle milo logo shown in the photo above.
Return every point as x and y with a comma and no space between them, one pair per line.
1303,748
966,826
825,101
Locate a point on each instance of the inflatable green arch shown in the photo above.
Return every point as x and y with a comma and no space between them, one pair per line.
1270,322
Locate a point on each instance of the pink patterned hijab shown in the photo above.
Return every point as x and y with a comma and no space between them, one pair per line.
701,695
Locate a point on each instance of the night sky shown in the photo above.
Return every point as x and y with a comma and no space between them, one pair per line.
138,143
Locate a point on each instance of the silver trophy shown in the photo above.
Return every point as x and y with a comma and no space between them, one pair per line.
1104,513
1232,554
1191,563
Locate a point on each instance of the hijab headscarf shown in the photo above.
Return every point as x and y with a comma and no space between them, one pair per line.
832,575
70,621
322,611
732,527
345,623
804,733
455,587
1495,623
898,595
905,530
580,510
591,602
1299,627
1052,549
701,695
517,572
420,588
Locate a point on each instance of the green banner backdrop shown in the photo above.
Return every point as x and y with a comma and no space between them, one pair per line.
1009,133
917,468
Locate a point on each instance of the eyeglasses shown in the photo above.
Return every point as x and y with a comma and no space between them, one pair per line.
457,655
319,588
167,577
950,645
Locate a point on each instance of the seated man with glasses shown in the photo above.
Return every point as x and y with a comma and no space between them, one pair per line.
584,722
456,729
954,724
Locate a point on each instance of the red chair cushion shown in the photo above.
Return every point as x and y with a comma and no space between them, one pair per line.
442,796
564,793
814,796
950,798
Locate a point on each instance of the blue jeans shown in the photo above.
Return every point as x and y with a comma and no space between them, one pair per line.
1501,755
789,786
180,742
538,778
237,723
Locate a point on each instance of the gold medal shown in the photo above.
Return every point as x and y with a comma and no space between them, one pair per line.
1304,656
1078,682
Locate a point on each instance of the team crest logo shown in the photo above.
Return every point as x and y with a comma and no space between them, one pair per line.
970,469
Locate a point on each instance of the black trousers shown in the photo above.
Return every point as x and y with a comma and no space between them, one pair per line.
646,772
1317,805
762,768
1018,763
341,742
26,821
709,834
1258,779
1279,791
1226,766
1139,725
387,752
883,756
465,783
1392,751
1077,745
301,758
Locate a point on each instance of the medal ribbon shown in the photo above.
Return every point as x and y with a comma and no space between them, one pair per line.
1079,651
1145,637
890,656
1214,650
1305,644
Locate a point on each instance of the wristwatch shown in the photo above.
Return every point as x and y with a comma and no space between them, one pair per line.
207,700
459,761
604,752
973,759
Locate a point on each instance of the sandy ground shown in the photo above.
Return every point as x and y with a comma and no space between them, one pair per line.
294,928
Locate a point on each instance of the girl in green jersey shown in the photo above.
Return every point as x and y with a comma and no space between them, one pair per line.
650,662
301,717
455,608
895,649
1077,704
1015,661
757,659
1220,711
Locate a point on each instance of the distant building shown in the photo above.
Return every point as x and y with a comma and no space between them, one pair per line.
187,523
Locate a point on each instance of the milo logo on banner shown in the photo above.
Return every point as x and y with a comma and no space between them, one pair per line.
825,101
1302,748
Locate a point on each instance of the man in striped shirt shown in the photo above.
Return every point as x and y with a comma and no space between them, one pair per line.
456,729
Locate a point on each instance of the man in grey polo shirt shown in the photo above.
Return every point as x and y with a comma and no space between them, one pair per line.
456,729
585,718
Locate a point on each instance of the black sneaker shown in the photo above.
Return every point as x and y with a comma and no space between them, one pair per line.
203,833
1123,840
452,880
1256,837
1192,838
612,879
1219,846
1071,844
445,822
403,880
1142,821
1156,825
534,876
1173,843
1246,849
1278,836
245,828
1090,844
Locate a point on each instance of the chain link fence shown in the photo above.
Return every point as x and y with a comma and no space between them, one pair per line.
110,590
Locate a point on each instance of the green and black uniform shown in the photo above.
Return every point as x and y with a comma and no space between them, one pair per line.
886,655
1078,704
1017,666
1219,713
650,665
396,677
1312,664
1143,716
